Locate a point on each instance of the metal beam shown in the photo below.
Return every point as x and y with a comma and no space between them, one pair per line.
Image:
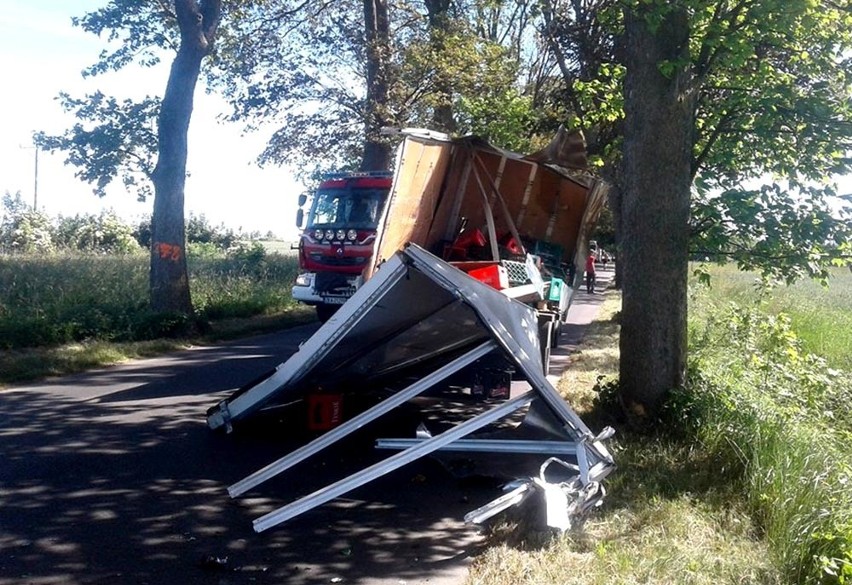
377,470
359,421
314,348
490,446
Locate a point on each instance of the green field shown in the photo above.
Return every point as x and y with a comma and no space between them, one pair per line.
67,312
820,316
747,476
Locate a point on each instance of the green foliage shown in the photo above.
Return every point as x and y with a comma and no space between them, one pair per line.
105,232
779,419
23,229
783,234
200,230
135,30
63,298
820,315
774,79
771,81
505,120
111,140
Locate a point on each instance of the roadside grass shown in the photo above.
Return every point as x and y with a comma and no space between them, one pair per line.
747,477
758,399
29,364
672,513
820,316
71,312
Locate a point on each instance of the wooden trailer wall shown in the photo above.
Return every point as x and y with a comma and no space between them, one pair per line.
437,184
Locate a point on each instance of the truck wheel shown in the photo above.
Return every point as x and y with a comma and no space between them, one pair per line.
324,312
555,333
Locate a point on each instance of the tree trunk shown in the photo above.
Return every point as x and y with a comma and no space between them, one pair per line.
655,207
377,150
169,282
613,172
439,24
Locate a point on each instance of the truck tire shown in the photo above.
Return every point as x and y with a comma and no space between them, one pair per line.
324,312
555,333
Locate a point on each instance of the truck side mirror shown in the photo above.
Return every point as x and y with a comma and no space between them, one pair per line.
300,217
302,200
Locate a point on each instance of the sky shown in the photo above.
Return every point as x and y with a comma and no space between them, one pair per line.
42,54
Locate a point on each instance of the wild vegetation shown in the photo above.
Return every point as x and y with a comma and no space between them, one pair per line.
74,290
745,480
752,442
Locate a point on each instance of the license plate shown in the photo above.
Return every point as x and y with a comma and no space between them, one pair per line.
334,300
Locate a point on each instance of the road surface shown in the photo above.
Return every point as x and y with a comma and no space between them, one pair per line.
112,476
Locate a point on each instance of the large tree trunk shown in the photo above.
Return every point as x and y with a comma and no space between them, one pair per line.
439,24
655,206
169,282
377,150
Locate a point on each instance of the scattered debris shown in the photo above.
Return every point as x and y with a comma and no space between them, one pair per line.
378,340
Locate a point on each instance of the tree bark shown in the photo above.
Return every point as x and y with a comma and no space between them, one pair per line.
439,23
377,150
655,209
169,281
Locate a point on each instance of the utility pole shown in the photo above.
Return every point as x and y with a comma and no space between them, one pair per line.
35,178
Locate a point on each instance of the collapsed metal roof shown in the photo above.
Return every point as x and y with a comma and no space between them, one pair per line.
420,316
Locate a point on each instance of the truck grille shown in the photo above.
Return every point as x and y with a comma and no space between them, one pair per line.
328,282
335,261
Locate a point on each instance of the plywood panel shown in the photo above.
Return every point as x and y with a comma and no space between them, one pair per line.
417,186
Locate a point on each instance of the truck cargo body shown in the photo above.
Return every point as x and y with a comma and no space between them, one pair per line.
445,189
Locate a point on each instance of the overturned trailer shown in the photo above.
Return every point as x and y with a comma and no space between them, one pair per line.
424,314
545,204
381,335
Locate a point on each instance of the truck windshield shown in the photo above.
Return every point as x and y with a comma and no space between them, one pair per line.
347,208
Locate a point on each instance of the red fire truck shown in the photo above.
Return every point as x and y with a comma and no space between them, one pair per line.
338,237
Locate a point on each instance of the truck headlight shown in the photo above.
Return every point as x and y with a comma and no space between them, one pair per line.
329,235
351,235
318,235
303,279
341,235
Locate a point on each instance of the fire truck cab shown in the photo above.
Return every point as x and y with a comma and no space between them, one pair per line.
337,241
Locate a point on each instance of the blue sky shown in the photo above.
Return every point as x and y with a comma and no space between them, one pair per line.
41,54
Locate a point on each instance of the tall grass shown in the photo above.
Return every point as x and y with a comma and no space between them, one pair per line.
820,315
671,514
762,403
50,300
746,479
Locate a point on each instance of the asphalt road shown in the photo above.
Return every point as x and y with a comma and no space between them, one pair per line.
113,477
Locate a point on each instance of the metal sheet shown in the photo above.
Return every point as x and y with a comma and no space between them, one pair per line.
359,421
377,470
417,313
515,326
397,320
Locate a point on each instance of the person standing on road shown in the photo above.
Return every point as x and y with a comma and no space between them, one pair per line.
590,273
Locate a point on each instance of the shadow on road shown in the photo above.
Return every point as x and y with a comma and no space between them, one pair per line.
114,478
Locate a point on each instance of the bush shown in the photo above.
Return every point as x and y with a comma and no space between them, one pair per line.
104,233
23,229
777,418
72,297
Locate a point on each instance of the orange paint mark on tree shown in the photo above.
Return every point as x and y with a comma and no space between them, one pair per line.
168,251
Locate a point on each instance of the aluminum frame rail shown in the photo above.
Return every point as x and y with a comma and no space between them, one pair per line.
381,334
490,446
245,403
360,420
381,468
